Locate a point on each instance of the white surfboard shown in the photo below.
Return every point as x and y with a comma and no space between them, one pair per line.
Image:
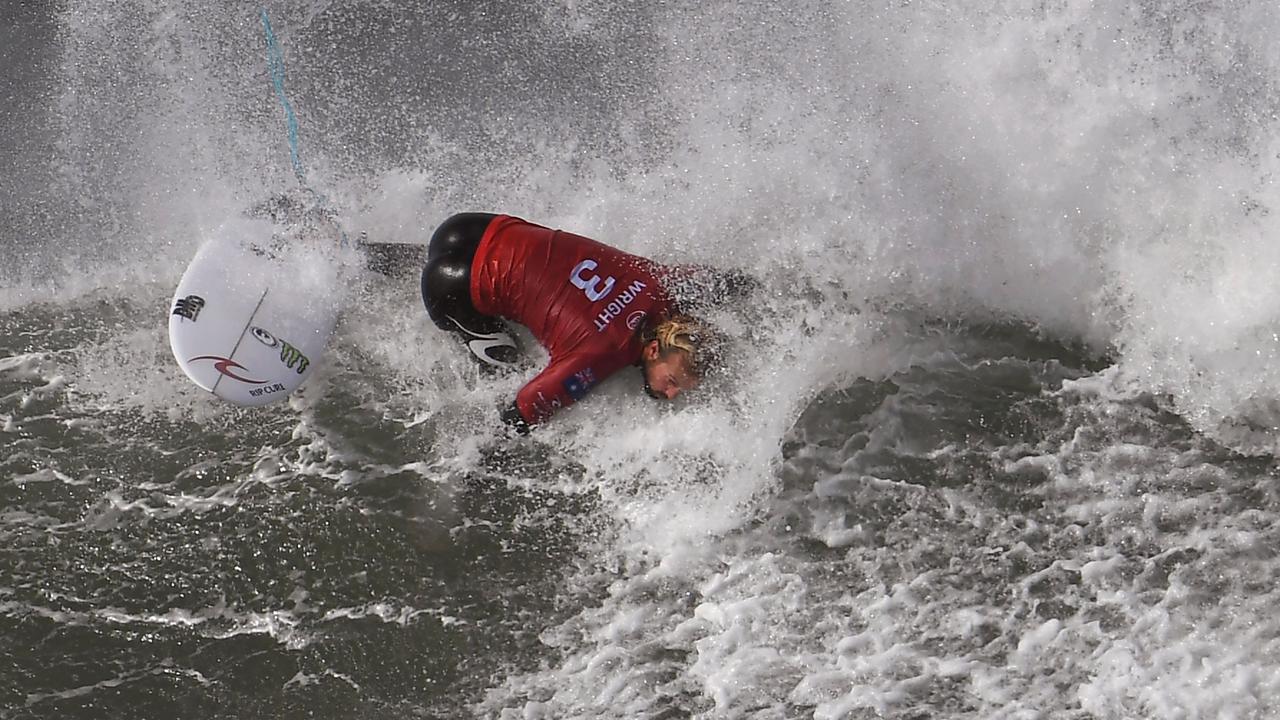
252,314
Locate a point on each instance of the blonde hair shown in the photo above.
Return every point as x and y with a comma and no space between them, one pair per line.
681,332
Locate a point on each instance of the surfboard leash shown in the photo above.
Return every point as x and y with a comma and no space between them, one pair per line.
275,64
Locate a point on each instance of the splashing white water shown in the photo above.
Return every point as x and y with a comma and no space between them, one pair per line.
1104,174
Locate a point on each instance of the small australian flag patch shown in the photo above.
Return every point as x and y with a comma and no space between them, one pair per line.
579,383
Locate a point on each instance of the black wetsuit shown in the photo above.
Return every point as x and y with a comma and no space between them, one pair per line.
446,291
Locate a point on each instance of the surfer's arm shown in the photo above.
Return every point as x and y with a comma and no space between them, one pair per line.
512,417
561,384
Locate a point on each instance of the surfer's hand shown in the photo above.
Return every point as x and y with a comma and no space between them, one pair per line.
512,417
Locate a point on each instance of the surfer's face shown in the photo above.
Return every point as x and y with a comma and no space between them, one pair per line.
666,376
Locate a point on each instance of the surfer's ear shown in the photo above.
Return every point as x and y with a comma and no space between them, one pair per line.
651,351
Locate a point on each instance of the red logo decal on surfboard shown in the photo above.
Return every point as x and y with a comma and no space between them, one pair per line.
224,366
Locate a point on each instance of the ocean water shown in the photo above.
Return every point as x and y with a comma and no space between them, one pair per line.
997,439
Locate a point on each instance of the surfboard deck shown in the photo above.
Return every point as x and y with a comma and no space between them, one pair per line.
251,316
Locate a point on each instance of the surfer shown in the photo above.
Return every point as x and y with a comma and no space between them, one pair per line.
596,309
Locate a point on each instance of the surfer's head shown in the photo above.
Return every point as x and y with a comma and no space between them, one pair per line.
676,354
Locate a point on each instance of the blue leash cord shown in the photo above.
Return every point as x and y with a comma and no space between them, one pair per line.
275,63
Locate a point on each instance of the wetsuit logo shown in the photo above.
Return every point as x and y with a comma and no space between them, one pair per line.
482,343
635,318
617,305
188,307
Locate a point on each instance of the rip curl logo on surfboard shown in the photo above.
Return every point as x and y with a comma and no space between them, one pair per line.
226,366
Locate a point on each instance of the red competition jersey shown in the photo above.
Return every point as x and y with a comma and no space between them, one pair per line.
582,299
